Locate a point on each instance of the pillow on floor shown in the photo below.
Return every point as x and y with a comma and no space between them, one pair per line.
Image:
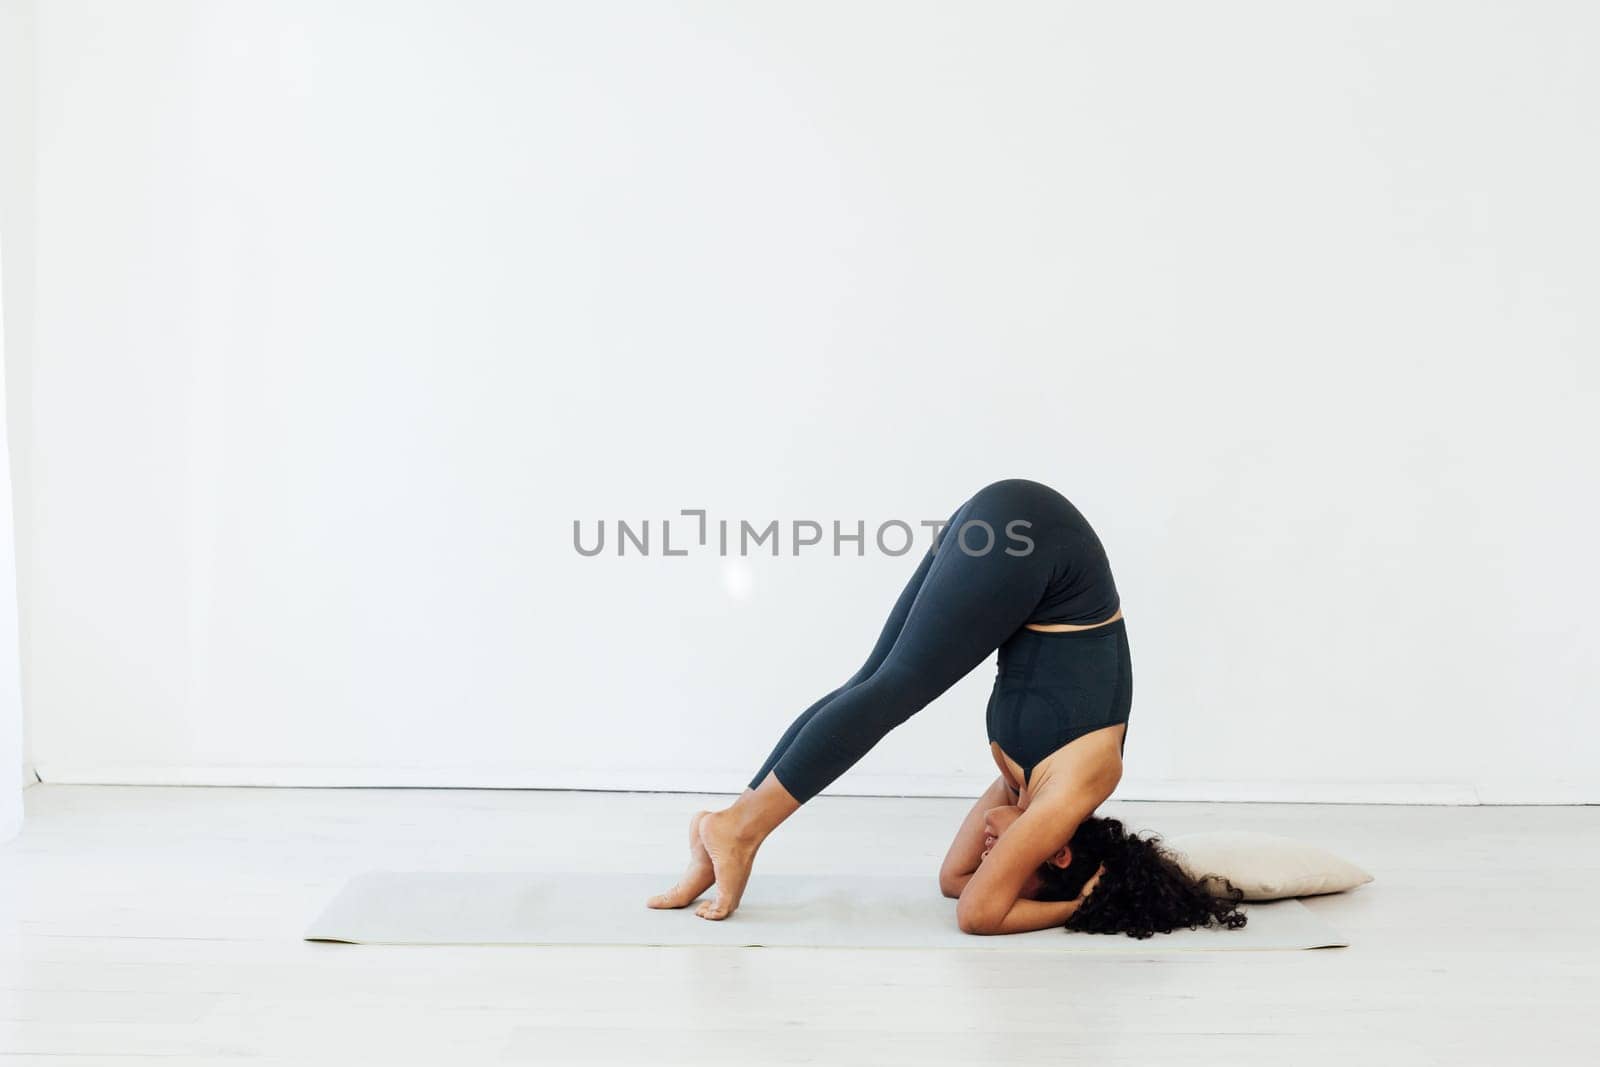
1265,866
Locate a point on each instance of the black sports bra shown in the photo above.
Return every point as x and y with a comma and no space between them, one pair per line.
1051,688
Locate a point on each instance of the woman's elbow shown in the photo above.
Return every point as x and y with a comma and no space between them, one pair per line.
951,883
976,921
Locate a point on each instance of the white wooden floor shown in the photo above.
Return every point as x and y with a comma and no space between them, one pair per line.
162,924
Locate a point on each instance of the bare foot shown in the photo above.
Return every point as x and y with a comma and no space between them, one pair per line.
696,880
732,856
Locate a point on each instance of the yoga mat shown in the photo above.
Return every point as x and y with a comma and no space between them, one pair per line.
800,911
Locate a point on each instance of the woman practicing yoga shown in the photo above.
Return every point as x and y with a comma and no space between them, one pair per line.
1020,570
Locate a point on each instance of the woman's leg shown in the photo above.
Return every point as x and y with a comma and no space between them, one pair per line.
972,598
973,595
774,802
880,651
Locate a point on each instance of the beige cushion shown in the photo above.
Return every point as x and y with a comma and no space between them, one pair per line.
1265,866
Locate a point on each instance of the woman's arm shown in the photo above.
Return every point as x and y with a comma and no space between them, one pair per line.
991,900
1028,914
965,850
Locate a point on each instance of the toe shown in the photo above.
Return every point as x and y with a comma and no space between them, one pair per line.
672,898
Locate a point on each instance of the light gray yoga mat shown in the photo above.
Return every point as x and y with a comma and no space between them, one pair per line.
810,911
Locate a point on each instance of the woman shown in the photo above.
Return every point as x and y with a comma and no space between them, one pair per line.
1020,570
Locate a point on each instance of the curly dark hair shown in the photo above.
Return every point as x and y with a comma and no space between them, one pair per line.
1143,891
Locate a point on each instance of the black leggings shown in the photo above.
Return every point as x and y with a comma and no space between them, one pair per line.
960,605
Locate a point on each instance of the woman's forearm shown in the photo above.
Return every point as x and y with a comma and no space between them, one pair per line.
1026,915
967,848
952,884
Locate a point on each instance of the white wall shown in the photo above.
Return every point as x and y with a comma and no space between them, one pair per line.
16,318
11,733
346,311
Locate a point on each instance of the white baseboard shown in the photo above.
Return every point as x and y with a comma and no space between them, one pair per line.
715,782
1556,792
